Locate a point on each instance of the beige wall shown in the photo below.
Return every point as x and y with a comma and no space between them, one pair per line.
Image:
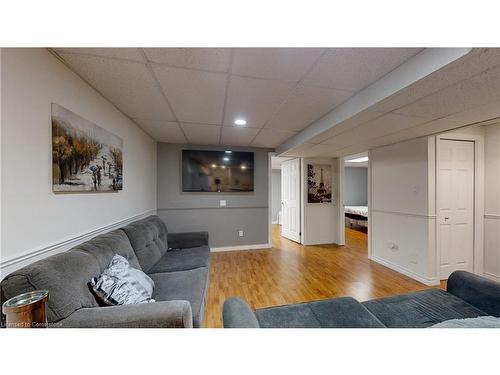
33,218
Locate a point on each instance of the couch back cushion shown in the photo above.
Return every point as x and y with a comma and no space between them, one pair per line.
105,246
66,275
149,240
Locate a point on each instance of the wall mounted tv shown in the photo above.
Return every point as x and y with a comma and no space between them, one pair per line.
217,171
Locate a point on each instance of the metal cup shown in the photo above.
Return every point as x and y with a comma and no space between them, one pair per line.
27,310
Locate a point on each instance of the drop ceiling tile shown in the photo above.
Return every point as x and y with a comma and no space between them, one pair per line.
195,96
270,138
202,134
354,149
309,150
462,96
305,105
381,126
355,68
432,127
233,136
162,131
212,59
117,53
484,112
126,84
474,63
298,150
351,122
286,64
254,99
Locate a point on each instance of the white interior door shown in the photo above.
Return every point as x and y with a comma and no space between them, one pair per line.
455,206
290,199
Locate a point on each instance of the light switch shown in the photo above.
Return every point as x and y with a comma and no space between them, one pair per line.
222,203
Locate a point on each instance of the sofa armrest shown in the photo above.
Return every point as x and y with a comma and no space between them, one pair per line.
164,314
187,239
237,314
480,292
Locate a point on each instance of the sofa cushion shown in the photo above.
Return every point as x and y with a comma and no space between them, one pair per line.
184,259
105,246
480,292
188,285
149,240
121,284
343,312
64,275
479,322
421,309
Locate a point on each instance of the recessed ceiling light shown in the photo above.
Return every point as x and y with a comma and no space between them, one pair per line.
243,167
223,167
229,152
358,160
225,158
240,122
214,166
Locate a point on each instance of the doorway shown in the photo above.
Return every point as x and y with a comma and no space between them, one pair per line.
285,197
290,199
355,198
455,181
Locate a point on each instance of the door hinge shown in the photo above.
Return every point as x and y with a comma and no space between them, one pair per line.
300,233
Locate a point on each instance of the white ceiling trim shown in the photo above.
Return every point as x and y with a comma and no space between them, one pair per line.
414,69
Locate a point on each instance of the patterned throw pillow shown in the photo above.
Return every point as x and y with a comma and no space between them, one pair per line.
121,284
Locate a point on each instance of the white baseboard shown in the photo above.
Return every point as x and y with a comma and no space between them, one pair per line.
241,247
318,243
406,272
12,263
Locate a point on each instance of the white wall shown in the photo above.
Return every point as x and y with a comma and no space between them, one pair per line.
320,221
492,202
402,217
33,218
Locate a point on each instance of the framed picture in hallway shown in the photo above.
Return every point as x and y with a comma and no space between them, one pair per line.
319,183
85,157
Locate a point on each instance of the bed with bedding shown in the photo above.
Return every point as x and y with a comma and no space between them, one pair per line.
356,215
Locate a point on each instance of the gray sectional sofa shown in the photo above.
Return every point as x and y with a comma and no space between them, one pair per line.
467,296
178,263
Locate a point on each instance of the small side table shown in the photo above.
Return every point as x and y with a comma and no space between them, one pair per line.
27,310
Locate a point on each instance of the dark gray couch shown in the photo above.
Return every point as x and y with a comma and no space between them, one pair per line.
467,296
177,262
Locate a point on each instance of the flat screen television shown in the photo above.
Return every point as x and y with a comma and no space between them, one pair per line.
217,171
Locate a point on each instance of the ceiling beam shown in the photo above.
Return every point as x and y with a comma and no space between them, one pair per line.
408,73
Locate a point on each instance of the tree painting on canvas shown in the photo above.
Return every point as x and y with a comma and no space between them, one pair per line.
85,157
319,183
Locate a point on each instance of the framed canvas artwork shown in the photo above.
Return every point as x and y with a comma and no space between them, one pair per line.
319,183
85,157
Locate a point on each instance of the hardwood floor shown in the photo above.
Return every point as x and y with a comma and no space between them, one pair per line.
292,273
